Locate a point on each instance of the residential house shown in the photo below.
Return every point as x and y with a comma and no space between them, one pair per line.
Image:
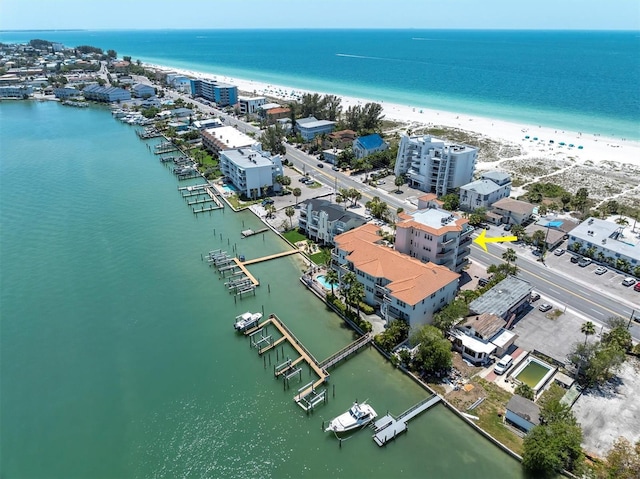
310,127
367,145
322,220
431,234
482,193
606,240
505,300
480,336
434,165
250,169
523,413
510,211
402,287
342,138
225,138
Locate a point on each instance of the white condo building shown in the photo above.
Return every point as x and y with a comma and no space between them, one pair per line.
434,165
250,169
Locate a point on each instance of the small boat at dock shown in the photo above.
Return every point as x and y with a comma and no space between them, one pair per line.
358,415
247,320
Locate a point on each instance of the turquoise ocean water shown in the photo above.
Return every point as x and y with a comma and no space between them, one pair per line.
117,350
574,80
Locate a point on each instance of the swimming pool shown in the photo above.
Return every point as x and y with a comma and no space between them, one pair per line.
228,188
534,373
322,279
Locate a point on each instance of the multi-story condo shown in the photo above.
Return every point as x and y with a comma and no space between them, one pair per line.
221,93
402,287
249,105
434,165
225,138
491,187
15,91
431,234
322,220
142,90
250,169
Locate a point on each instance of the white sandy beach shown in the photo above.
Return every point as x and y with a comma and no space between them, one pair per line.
595,149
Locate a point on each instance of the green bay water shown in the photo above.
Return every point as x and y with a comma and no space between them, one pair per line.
117,350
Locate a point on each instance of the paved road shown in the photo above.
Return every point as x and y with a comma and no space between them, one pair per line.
562,290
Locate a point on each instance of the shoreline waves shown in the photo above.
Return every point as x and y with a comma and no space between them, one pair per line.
542,140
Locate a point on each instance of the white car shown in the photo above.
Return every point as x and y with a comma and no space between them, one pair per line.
544,307
600,270
628,282
559,252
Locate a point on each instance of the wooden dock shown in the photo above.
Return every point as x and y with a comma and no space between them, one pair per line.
347,351
270,257
247,233
387,428
305,355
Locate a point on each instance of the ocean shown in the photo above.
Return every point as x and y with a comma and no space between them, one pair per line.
573,80
119,358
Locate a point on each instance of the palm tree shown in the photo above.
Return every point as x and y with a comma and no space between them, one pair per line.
297,192
290,212
588,329
332,278
509,256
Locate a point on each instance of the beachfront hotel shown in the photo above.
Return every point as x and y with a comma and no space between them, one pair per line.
222,94
322,220
250,169
434,165
431,234
402,287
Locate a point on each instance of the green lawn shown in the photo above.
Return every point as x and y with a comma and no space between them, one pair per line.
293,236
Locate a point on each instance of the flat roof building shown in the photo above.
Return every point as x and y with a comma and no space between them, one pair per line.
225,138
250,169
310,127
607,241
505,300
322,220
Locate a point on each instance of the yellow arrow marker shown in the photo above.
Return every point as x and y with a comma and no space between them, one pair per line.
482,240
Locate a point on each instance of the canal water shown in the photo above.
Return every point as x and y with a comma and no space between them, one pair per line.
119,357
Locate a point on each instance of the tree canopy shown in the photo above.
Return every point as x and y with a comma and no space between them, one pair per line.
434,350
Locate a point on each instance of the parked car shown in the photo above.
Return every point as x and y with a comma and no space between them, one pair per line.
320,165
584,262
544,307
559,252
503,364
575,259
637,287
483,281
628,282
600,270
507,227
534,296
335,168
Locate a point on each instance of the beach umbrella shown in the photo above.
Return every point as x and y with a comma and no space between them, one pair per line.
562,143
535,138
526,137
570,145
579,147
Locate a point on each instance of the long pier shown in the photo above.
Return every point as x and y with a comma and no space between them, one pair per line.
347,351
388,428
270,257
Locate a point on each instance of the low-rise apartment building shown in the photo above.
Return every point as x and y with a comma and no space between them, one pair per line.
434,165
322,220
491,187
431,234
249,105
402,287
106,94
606,241
225,138
505,300
310,127
510,211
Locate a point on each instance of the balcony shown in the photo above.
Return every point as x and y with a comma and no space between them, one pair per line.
444,253
464,252
448,242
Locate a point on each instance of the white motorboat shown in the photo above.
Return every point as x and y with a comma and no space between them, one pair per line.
358,415
247,320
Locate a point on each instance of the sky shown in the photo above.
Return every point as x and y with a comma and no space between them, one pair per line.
420,14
